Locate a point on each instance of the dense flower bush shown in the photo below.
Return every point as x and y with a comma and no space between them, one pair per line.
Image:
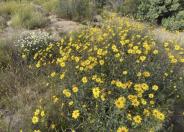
31,42
112,78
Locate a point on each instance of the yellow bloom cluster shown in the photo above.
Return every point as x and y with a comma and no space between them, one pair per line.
96,92
141,88
67,93
119,84
159,115
38,116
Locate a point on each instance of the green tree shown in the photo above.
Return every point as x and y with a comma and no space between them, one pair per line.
158,11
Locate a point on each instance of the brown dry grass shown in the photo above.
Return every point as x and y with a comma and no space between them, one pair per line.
160,33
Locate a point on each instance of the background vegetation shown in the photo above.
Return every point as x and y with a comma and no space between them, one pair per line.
168,13
36,79
23,14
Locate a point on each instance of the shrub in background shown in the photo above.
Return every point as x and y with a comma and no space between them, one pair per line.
174,23
163,12
78,10
28,17
2,22
51,5
101,3
7,8
168,13
48,5
23,14
156,10
5,57
129,7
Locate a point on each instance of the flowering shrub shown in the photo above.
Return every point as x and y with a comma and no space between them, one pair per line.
111,78
31,42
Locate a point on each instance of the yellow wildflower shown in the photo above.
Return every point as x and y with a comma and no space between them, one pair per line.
84,80
36,131
70,103
151,96
120,102
53,74
101,62
155,87
122,129
125,72
142,58
35,120
53,126
62,76
146,74
75,89
75,114
42,113
155,52
137,119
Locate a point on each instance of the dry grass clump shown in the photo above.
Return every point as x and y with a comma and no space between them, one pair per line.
76,10
20,88
23,14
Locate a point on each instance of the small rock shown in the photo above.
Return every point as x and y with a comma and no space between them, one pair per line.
97,18
9,23
2,21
